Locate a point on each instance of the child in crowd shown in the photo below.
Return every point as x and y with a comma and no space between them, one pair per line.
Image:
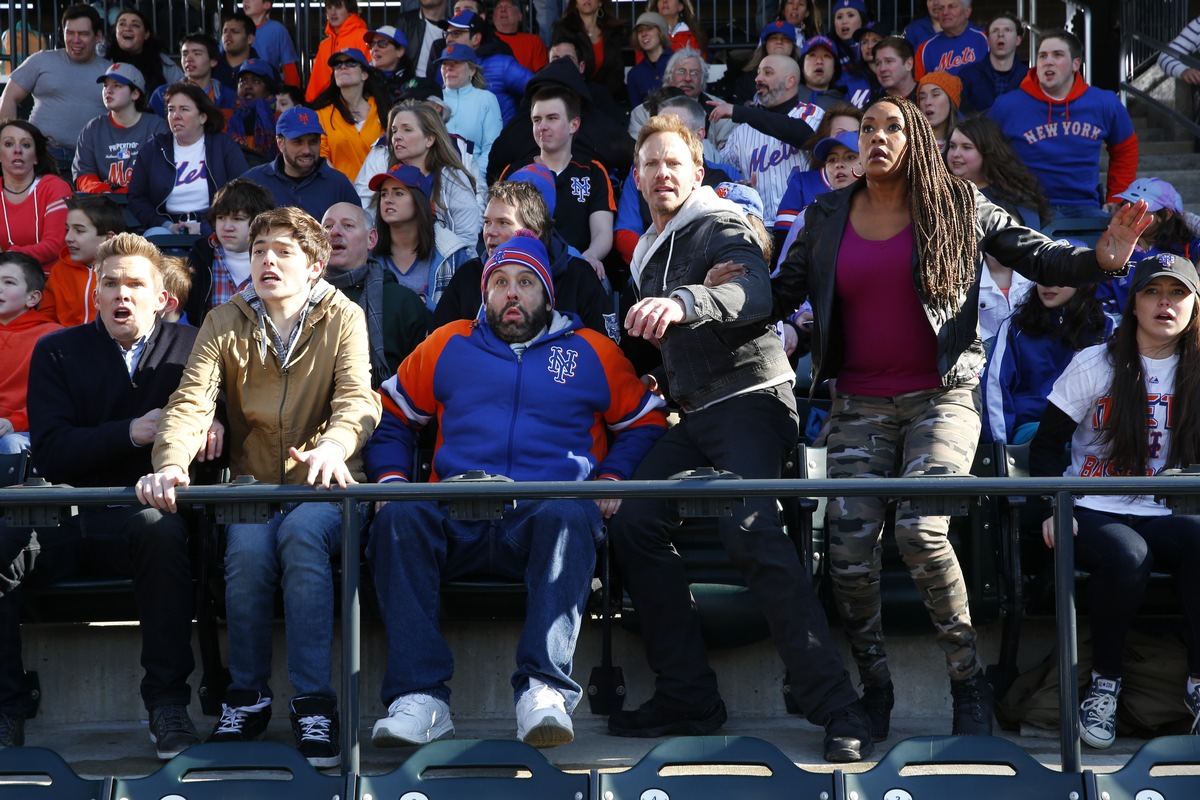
67,298
220,262
177,280
1129,408
21,325
1032,349
288,97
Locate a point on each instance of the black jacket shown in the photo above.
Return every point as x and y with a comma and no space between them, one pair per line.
82,401
807,271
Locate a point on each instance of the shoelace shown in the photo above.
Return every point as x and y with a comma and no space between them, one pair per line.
1100,706
1194,706
969,700
314,728
233,719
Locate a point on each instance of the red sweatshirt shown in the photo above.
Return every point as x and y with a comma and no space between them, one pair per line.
67,298
16,346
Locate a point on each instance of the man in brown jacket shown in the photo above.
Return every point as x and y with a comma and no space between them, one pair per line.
290,354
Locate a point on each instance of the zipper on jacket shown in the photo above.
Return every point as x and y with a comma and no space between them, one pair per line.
512,420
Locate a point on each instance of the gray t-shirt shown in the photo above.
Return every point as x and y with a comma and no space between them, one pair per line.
108,152
65,94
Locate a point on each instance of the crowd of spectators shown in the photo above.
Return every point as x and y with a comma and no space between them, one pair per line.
451,196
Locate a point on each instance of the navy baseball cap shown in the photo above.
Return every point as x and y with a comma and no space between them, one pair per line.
263,69
464,21
780,26
458,52
298,121
349,54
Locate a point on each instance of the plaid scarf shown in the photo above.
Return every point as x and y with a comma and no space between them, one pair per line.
223,287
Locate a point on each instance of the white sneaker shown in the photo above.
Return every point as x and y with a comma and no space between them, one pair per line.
1098,712
542,718
413,719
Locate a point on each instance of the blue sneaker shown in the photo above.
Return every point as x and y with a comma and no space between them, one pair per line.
1098,713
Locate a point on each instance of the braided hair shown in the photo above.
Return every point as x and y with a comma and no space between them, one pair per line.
943,214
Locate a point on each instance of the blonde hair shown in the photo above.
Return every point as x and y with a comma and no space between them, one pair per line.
669,123
131,244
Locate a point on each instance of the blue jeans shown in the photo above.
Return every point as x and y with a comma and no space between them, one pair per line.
296,546
14,443
414,546
1121,551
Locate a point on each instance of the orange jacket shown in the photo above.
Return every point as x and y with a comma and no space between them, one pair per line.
17,339
67,298
349,35
344,146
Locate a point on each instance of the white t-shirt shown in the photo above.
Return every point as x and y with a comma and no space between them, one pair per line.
238,265
190,194
1082,392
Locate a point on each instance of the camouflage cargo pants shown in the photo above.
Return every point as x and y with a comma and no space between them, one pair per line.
890,437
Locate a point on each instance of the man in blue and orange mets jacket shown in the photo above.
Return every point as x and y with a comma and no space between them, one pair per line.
527,392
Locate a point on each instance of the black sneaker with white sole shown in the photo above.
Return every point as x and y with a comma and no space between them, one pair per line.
315,725
244,717
172,731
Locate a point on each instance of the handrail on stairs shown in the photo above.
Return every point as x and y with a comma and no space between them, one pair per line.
1127,89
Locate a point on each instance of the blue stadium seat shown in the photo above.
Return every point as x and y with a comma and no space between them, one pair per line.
744,759
473,770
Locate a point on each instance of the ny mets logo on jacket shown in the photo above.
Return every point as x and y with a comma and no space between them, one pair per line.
542,416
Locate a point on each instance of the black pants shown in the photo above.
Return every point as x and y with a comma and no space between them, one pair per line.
748,435
150,546
1121,551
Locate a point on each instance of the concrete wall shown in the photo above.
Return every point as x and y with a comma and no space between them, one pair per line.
90,673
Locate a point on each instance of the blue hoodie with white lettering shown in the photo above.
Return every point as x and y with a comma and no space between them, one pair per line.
1059,140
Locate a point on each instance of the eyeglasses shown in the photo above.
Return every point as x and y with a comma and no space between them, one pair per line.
377,43
680,72
345,64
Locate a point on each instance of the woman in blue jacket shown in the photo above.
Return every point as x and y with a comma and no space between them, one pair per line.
176,174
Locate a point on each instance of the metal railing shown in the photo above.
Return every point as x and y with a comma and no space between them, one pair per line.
23,501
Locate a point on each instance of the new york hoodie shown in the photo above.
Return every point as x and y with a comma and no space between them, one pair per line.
1059,140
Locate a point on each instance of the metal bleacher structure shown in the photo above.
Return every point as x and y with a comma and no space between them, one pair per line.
1013,586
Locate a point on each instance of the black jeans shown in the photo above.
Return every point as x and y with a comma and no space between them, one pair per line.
150,546
748,435
1121,551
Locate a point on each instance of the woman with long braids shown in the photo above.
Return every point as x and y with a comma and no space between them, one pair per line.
891,265
1100,406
